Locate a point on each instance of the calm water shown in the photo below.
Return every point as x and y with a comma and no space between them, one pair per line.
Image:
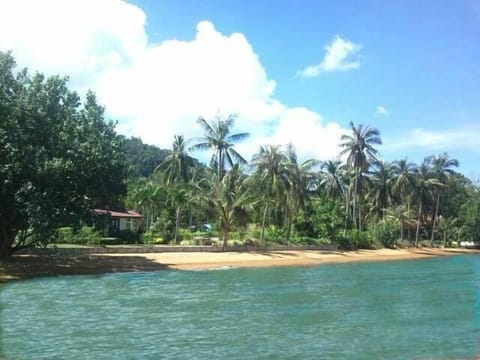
396,310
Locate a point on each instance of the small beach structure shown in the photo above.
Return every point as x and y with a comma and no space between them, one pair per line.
120,220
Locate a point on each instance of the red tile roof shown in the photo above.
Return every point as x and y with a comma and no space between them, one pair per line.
127,214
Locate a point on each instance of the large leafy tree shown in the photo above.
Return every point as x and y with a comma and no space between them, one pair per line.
360,151
58,158
218,138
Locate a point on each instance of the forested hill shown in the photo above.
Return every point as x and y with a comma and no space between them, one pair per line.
142,159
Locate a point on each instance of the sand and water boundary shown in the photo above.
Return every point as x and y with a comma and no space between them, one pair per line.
56,262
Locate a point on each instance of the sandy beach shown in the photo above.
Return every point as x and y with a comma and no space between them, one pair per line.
25,266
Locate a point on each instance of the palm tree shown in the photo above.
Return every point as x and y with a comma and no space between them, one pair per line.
404,182
269,165
176,172
403,215
218,138
297,178
448,227
230,196
177,164
360,152
332,179
441,168
381,179
424,187
146,196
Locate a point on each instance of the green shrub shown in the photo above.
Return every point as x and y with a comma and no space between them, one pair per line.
185,234
152,238
275,234
127,236
88,235
147,238
237,235
253,231
187,242
110,241
81,236
355,239
386,232
64,235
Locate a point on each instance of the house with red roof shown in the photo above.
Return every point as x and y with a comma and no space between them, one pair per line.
124,220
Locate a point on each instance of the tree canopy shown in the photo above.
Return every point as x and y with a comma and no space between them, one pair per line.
59,157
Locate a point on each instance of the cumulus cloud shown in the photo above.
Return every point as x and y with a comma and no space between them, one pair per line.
338,57
80,38
158,90
381,111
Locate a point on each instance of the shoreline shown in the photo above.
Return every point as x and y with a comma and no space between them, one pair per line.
20,267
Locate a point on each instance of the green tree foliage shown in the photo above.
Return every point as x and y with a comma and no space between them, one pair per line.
58,157
360,151
219,139
142,159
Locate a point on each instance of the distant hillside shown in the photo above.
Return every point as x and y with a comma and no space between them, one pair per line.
142,159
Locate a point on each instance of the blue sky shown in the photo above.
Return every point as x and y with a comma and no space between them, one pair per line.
409,68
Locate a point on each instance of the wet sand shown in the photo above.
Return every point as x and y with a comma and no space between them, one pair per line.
26,266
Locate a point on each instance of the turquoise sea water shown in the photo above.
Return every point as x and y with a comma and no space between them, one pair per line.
422,309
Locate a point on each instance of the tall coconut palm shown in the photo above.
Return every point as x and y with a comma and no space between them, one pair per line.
269,164
360,152
218,138
176,166
403,215
441,167
146,196
404,182
332,179
297,178
231,197
176,172
424,187
381,181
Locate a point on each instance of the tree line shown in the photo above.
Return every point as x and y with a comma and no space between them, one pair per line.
60,158
361,201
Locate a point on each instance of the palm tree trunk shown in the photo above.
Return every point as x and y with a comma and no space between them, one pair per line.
177,224
289,228
409,233
347,210
418,223
263,224
224,236
359,215
220,165
355,197
435,218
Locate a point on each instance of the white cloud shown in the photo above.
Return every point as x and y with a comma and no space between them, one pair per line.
158,90
438,140
337,58
78,38
381,111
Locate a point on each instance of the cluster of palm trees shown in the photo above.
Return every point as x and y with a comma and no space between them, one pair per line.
275,188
